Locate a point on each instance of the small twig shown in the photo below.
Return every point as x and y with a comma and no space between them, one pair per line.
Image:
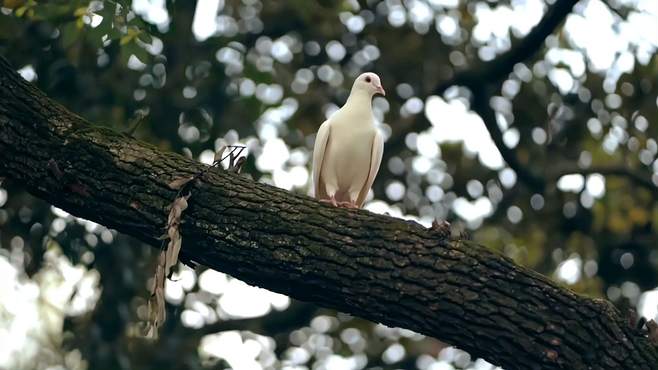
231,160
219,153
137,120
181,182
615,11
553,113
237,167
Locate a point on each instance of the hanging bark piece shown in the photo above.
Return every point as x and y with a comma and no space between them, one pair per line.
167,259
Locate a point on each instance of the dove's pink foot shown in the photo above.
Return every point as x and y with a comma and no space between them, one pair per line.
331,201
350,204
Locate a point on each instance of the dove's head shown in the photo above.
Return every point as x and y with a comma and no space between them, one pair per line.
370,83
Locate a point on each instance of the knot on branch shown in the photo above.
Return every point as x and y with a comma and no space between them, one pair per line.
441,228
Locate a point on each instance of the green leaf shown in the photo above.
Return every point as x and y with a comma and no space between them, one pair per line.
125,40
52,11
69,34
21,11
94,36
81,11
114,34
141,54
130,36
108,11
12,4
145,37
8,26
103,28
133,49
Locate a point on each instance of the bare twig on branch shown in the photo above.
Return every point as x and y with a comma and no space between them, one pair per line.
138,118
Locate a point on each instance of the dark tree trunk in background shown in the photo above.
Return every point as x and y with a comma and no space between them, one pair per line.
376,267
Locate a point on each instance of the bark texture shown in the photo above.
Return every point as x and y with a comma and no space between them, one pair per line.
376,267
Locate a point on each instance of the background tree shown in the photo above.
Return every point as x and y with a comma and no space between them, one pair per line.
572,116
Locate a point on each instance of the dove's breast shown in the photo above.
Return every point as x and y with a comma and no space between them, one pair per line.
348,153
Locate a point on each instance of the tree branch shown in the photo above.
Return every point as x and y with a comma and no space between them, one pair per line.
373,266
487,75
482,107
495,70
636,177
275,322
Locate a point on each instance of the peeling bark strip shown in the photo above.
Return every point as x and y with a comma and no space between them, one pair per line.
376,267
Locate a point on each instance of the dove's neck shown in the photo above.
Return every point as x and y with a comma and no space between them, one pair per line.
359,100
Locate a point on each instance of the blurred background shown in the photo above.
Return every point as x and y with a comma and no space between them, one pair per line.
548,157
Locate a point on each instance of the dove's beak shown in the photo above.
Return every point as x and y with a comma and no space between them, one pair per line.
380,90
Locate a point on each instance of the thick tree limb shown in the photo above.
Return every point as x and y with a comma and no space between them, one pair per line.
377,267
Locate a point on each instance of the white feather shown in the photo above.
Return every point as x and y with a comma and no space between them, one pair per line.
375,162
318,156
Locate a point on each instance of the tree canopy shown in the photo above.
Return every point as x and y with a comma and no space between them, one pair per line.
539,141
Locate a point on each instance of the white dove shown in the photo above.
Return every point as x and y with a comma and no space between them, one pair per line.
348,148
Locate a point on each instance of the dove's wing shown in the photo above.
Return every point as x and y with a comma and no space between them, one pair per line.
375,160
320,147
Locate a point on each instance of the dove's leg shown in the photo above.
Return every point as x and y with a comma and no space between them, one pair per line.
350,204
353,195
331,200
331,192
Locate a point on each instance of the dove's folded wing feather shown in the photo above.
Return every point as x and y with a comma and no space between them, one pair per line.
375,160
321,140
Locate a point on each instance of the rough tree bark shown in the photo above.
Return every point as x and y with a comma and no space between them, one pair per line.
376,267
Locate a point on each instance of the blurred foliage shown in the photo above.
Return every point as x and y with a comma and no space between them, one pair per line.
266,74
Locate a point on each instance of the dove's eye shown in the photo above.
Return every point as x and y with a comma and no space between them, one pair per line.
368,79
